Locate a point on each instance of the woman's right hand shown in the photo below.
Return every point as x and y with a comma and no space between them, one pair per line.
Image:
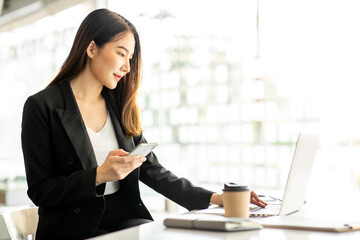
117,166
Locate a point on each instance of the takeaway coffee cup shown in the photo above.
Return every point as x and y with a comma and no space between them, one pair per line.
236,200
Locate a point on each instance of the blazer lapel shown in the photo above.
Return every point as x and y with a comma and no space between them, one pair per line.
75,127
125,142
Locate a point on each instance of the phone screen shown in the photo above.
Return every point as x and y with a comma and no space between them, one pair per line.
143,149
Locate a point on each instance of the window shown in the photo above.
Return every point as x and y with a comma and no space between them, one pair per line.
226,95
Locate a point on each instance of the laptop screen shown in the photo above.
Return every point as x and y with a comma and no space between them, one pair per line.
299,174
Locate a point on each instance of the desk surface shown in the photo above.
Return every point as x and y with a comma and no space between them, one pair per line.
157,231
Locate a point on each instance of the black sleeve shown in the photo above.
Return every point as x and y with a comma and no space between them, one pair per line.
46,187
179,190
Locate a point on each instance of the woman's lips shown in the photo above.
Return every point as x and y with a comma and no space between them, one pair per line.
117,76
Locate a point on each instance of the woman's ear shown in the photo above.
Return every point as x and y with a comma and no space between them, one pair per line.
91,50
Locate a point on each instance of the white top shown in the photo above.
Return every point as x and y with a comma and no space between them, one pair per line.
103,142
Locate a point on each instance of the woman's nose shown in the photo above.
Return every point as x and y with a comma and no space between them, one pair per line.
125,67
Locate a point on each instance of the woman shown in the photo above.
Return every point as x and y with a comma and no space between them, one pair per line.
84,187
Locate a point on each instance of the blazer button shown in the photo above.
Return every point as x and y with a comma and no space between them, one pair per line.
140,204
70,161
77,210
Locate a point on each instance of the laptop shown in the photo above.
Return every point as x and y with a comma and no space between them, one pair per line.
298,179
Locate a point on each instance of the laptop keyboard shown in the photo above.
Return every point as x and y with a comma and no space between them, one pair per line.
269,210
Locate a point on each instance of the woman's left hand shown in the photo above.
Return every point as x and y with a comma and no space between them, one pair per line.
217,199
256,200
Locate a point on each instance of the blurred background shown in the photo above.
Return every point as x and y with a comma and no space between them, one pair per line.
227,86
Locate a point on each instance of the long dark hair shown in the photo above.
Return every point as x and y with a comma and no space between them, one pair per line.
101,26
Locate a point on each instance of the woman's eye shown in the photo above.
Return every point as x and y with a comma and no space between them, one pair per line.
121,54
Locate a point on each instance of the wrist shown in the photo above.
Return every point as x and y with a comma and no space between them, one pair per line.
99,176
217,199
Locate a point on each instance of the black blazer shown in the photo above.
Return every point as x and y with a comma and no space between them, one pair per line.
61,168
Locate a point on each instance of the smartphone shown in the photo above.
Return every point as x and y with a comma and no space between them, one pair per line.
143,149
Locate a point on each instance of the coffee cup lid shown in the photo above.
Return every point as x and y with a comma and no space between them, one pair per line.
234,187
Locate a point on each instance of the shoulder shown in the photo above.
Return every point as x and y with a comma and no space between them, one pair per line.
48,94
50,97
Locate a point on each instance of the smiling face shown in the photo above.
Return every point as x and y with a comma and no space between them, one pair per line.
111,62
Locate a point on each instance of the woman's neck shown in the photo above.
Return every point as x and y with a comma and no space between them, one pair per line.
86,88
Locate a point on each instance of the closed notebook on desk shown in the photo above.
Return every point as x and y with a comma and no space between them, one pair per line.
301,223
211,222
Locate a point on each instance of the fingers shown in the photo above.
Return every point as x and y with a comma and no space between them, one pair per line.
135,161
256,200
131,159
118,165
123,165
127,162
118,152
255,196
260,203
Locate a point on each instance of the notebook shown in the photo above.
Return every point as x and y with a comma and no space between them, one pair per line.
211,222
301,223
298,178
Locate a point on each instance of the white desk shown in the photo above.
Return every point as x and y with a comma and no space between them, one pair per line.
157,231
